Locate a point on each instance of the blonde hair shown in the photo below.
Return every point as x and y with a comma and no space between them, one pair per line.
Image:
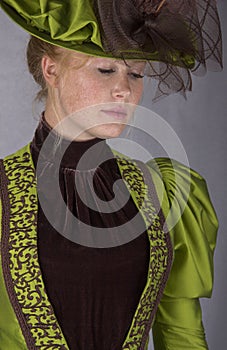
36,50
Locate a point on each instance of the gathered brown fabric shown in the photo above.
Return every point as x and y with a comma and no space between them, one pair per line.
176,38
94,291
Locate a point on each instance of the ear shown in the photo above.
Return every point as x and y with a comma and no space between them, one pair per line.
49,68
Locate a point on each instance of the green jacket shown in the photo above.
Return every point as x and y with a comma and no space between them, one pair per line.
182,256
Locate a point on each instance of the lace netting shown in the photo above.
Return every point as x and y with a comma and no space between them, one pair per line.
176,38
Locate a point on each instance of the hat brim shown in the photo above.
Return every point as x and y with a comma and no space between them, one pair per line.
180,37
88,48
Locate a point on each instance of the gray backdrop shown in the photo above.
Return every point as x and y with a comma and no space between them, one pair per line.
200,122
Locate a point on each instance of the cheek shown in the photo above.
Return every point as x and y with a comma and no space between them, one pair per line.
76,95
87,91
137,92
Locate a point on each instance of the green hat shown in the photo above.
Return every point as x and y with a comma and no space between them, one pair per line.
179,36
69,24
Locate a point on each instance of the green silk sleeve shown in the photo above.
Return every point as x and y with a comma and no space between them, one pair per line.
178,323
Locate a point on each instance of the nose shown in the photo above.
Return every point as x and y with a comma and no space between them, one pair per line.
121,90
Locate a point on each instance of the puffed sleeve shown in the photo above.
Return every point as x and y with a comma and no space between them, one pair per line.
178,324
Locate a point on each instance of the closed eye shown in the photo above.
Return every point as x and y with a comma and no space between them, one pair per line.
137,76
105,71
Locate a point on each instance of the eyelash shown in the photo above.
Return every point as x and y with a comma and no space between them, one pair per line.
109,71
105,71
137,76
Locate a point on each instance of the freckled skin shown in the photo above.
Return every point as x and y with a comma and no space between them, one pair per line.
96,82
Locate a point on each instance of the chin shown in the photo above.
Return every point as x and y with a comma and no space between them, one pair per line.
108,131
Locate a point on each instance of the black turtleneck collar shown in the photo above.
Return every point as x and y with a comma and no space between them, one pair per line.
95,150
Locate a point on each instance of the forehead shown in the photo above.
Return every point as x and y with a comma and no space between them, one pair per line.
84,60
109,61
79,56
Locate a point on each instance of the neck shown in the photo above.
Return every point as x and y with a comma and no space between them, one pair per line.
70,152
50,115
64,125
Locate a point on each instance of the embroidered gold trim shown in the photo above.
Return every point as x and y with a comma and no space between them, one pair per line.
160,252
25,270
26,277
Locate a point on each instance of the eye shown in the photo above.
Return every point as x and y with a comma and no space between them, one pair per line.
106,71
137,75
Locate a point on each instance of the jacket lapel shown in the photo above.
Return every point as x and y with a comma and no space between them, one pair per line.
139,182
20,257
21,268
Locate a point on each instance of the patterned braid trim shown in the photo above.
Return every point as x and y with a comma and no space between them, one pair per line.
6,265
20,257
139,182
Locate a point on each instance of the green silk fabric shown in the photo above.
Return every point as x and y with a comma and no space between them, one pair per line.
70,24
178,323
194,235
73,25
11,337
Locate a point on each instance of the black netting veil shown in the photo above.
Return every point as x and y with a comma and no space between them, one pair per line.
176,38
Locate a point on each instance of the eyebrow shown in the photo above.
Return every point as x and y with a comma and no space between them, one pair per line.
135,62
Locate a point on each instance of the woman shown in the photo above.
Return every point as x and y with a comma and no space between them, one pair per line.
58,293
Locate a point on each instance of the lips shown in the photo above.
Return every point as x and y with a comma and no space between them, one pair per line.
118,113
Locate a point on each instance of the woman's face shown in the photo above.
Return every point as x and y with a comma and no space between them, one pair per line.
104,90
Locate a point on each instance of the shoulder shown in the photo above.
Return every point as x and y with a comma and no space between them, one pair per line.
175,174
192,223
181,184
16,167
25,151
